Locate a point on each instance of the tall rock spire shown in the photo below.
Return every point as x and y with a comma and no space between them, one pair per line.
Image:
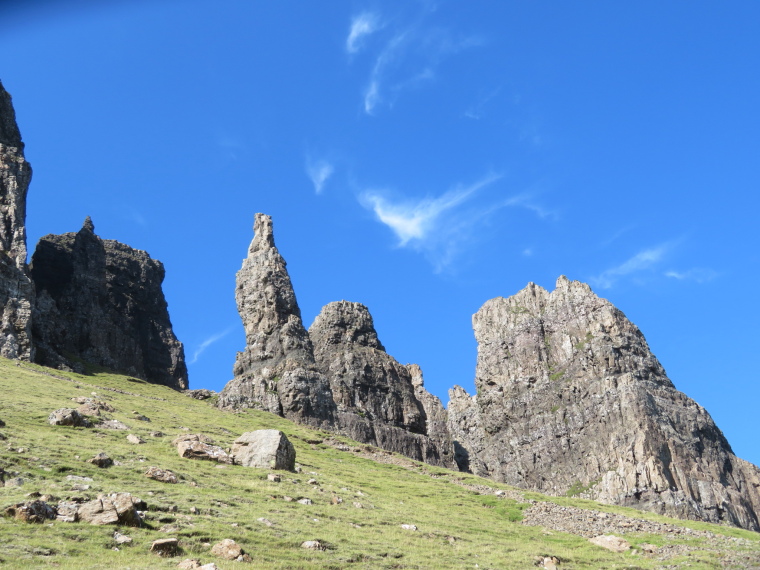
276,372
571,400
16,290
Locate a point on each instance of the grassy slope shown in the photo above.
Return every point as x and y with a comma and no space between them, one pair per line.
482,525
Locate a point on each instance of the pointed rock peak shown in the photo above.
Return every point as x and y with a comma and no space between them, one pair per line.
9,133
262,230
565,284
88,225
343,322
416,373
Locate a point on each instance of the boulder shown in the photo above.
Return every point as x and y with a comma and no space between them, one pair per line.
68,417
165,547
265,448
313,545
116,508
611,542
101,460
163,475
227,549
137,440
199,450
31,512
200,394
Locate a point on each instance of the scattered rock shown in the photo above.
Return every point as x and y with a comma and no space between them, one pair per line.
156,434
140,417
305,501
112,424
358,505
101,460
15,482
274,477
409,526
79,478
68,417
121,538
189,564
312,482
31,512
165,547
132,438
548,562
313,545
267,522
288,499
227,549
116,508
611,542
163,475
266,448
200,394
336,500
194,449
648,548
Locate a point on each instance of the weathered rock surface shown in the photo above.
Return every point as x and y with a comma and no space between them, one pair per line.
101,302
68,417
264,448
163,475
31,512
199,446
116,508
276,372
570,399
16,289
378,401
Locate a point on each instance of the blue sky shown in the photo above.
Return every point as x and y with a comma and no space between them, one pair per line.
419,157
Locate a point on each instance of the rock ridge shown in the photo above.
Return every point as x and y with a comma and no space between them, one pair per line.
570,399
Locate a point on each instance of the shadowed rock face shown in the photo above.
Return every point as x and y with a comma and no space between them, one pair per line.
570,399
16,290
377,399
100,301
276,372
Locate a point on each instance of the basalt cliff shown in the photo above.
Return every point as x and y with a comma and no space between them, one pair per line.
336,376
571,400
82,300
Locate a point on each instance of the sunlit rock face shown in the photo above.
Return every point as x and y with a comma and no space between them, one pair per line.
379,401
100,302
276,372
16,290
571,400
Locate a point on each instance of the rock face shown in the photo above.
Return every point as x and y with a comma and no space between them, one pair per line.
377,400
571,400
277,371
16,289
101,302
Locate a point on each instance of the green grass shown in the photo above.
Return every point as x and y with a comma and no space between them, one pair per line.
457,527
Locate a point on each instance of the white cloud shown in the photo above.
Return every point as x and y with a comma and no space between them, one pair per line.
415,220
698,274
362,25
319,171
642,261
528,202
208,342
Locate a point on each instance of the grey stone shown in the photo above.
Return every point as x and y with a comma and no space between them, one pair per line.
31,512
68,417
611,542
165,547
116,508
227,549
101,460
16,288
567,386
276,372
101,302
265,448
313,545
163,475
199,450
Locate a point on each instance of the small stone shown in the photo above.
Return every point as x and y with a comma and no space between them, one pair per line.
267,522
297,468
156,434
68,417
121,538
227,549
305,501
648,548
101,460
194,510
80,487
358,505
288,499
313,545
274,477
611,542
163,475
132,438
312,482
409,526
165,546
189,564
31,512
336,500
14,482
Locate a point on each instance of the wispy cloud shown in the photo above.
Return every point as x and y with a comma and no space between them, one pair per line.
208,342
408,57
437,227
477,109
319,171
362,26
642,261
698,274
528,201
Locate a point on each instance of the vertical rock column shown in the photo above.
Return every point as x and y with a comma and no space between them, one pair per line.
16,290
276,372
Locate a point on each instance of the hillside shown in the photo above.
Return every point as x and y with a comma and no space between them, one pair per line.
461,520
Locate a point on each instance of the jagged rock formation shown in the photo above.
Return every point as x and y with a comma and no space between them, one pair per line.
376,398
277,371
571,400
16,290
101,302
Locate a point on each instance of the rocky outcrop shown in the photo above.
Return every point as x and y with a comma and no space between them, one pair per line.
376,397
100,302
16,290
276,372
570,400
